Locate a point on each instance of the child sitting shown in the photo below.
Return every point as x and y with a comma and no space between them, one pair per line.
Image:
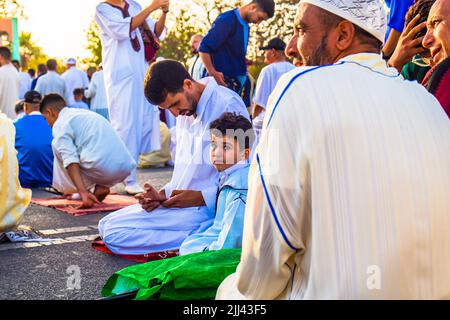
89,155
231,138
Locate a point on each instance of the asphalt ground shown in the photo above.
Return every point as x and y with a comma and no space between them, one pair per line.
68,269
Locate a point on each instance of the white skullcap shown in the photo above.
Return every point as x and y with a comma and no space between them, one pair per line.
369,15
71,61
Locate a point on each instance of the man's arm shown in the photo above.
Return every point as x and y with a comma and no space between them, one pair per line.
139,19
257,109
207,62
161,23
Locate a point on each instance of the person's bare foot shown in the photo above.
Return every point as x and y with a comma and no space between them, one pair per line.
101,192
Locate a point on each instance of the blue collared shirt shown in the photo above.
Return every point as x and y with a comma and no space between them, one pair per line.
227,42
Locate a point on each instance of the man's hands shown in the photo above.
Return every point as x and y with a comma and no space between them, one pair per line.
152,199
408,45
184,199
160,4
88,200
219,77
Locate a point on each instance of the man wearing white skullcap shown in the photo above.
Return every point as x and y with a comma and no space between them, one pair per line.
348,190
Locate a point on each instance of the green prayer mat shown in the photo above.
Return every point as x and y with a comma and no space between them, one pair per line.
194,276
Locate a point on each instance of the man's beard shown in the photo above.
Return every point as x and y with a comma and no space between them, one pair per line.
321,56
192,109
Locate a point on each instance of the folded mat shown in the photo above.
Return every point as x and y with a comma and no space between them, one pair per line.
113,202
195,276
99,245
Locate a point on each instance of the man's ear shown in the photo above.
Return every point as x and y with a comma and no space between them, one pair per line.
187,84
345,35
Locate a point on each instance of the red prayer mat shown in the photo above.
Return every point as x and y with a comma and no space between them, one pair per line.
113,202
99,245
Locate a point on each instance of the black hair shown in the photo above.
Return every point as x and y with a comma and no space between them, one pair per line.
19,107
235,126
5,53
52,100
32,72
16,61
78,92
162,78
423,8
268,6
52,64
42,68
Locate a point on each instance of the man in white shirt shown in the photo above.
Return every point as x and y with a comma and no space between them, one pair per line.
25,80
9,84
187,203
74,79
124,25
195,64
348,192
51,82
90,157
268,78
97,93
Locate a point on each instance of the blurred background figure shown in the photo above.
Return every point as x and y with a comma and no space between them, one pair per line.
97,94
9,84
78,96
25,80
74,78
41,70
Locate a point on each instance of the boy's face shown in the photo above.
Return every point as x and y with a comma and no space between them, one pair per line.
225,152
78,97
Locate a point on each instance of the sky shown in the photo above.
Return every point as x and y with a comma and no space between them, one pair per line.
59,26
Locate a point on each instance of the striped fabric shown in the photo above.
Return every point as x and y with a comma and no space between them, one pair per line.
13,199
349,192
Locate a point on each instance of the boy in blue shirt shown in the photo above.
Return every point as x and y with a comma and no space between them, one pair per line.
34,145
78,94
231,139
224,48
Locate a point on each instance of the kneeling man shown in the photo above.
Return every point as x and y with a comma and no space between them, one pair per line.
186,204
89,155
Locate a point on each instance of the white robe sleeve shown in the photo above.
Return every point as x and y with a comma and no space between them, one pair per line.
111,22
65,146
90,92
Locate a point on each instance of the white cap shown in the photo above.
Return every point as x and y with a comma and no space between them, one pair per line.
369,15
71,61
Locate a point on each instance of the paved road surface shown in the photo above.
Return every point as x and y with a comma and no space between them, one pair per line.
39,271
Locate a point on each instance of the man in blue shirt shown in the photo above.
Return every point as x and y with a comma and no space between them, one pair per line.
33,145
224,48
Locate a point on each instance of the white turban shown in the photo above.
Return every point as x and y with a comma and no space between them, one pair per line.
369,15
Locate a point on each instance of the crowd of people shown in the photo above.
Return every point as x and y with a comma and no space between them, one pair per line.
342,163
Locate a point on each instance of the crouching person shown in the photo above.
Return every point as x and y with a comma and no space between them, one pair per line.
89,156
231,138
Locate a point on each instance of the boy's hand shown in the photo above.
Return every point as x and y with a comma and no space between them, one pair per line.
184,199
88,200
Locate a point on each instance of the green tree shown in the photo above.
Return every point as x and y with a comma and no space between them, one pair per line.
10,8
94,46
30,53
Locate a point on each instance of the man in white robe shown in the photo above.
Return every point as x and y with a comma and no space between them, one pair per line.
348,192
97,93
9,84
75,79
124,65
90,157
51,82
187,203
276,66
25,80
